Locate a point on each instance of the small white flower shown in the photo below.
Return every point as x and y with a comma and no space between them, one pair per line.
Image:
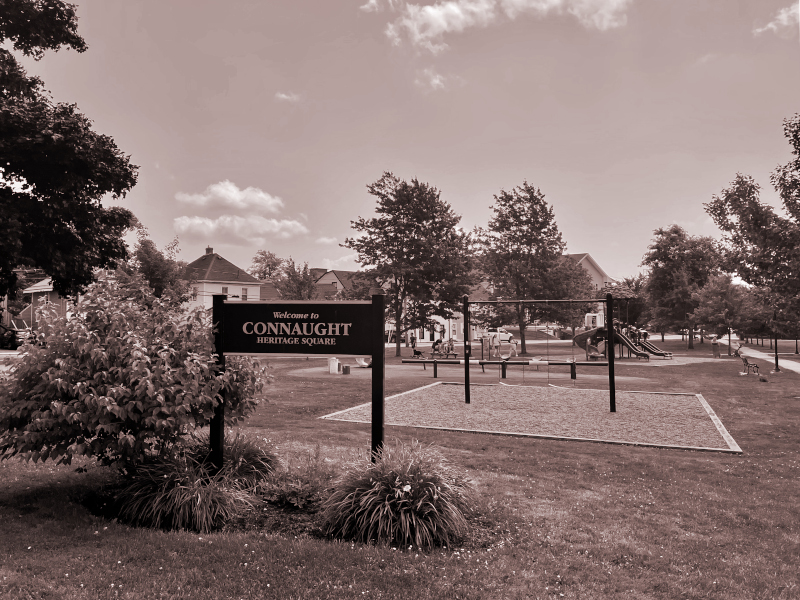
407,488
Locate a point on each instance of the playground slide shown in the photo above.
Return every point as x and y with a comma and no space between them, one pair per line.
623,339
654,350
581,339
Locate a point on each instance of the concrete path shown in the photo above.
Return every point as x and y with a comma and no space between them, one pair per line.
788,365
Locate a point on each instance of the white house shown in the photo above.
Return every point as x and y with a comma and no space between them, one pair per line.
212,274
596,272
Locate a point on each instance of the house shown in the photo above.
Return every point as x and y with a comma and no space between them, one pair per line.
42,289
212,274
598,275
332,284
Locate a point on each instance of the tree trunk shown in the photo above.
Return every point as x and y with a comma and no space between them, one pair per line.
691,336
398,316
521,323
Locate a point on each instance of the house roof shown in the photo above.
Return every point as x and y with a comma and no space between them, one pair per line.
316,273
586,257
45,285
350,278
269,291
212,267
326,290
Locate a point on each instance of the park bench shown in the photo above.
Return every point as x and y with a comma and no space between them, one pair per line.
748,366
443,354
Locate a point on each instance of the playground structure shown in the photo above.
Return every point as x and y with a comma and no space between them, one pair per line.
641,349
609,310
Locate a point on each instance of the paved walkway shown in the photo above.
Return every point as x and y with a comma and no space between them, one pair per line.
788,365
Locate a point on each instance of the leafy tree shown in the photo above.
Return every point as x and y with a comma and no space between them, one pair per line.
296,282
636,311
761,246
266,265
722,306
55,169
679,266
161,270
415,245
118,381
522,256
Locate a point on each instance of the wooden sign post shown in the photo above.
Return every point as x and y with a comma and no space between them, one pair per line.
301,328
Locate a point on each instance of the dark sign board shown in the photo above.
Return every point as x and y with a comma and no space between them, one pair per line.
298,328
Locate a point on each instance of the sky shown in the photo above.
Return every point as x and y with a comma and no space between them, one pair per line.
258,125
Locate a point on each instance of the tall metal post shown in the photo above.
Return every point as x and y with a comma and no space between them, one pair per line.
775,328
217,430
467,348
378,371
610,350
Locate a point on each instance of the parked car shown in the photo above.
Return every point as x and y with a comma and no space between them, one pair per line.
505,336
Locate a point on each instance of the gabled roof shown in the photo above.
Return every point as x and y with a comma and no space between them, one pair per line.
268,291
212,267
586,257
316,273
349,278
326,290
45,285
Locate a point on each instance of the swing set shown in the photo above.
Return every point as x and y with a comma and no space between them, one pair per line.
608,301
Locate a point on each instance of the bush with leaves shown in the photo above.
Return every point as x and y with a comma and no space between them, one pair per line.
122,378
409,495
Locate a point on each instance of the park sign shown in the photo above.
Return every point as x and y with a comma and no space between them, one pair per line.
332,328
303,328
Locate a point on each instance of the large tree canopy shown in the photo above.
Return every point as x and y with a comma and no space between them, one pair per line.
522,256
679,266
762,246
55,169
414,244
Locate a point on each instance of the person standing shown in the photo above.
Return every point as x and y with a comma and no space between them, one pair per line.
495,344
413,341
714,346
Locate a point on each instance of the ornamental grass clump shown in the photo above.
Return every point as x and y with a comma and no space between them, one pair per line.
410,495
182,491
248,459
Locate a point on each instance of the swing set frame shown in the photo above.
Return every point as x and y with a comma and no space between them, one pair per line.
609,324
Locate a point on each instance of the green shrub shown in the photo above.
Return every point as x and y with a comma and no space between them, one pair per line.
124,377
181,491
410,495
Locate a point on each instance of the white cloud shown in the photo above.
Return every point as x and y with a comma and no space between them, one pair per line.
233,229
785,21
346,263
287,97
378,5
227,194
326,240
429,80
426,25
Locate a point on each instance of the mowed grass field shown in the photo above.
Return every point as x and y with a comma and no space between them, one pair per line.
558,519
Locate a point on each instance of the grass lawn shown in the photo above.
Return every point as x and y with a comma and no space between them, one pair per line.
559,519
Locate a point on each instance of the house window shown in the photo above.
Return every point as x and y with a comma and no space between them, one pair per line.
224,289
335,284
194,293
244,294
